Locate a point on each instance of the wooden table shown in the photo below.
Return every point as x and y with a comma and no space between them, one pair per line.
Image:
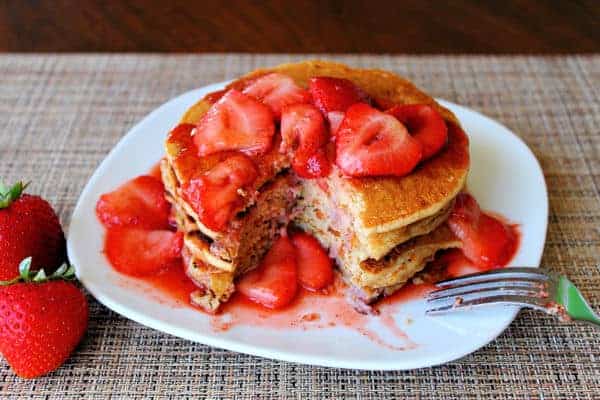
411,26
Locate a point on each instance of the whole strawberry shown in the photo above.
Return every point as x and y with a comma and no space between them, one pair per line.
42,319
29,227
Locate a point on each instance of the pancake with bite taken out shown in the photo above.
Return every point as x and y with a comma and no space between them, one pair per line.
380,230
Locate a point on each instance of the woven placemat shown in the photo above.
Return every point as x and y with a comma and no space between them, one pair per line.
60,115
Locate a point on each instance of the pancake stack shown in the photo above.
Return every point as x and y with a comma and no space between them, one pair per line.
379,230
382,231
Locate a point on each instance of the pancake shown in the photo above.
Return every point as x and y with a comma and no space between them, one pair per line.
379,230
214,286
381,277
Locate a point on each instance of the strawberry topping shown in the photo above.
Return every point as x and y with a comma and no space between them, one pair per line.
235,122
215,96
372,143
155,171
425,124
277,91
274,283
383,104
335,94
487,242
315,166
304,138
335,119
315,268
139,202
216,195
140,252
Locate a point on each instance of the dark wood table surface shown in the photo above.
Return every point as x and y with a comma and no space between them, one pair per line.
412,26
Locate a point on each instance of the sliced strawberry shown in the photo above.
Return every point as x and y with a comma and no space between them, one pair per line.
142,252
215,196
335,119
372,143
304,137
315,166
274,283
383,104
155,171
302,129
277,91
335,94
315,269
425,124
140,202
215,96
487,242
235,122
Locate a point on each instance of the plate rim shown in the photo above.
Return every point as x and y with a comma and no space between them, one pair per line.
260,350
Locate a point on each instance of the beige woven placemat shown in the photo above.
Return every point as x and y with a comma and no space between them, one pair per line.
60,115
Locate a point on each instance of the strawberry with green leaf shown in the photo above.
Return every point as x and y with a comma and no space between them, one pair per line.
42,319
29,227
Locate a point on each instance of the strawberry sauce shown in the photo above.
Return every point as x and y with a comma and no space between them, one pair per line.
325,308
315,310
174,283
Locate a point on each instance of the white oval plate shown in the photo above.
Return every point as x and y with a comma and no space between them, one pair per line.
505,177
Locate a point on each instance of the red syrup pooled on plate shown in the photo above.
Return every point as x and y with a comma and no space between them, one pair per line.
174,283
327,308
310,310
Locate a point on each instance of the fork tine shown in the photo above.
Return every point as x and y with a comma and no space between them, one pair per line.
532,287
496,274
504,299
468,295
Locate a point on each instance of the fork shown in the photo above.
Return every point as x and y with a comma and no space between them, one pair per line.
523,287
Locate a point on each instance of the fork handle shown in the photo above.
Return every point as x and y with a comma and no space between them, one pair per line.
574,302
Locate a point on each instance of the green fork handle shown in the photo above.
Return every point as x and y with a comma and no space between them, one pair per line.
574,303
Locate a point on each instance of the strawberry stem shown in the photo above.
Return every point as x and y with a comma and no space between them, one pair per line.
64,272
10,282
10,194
